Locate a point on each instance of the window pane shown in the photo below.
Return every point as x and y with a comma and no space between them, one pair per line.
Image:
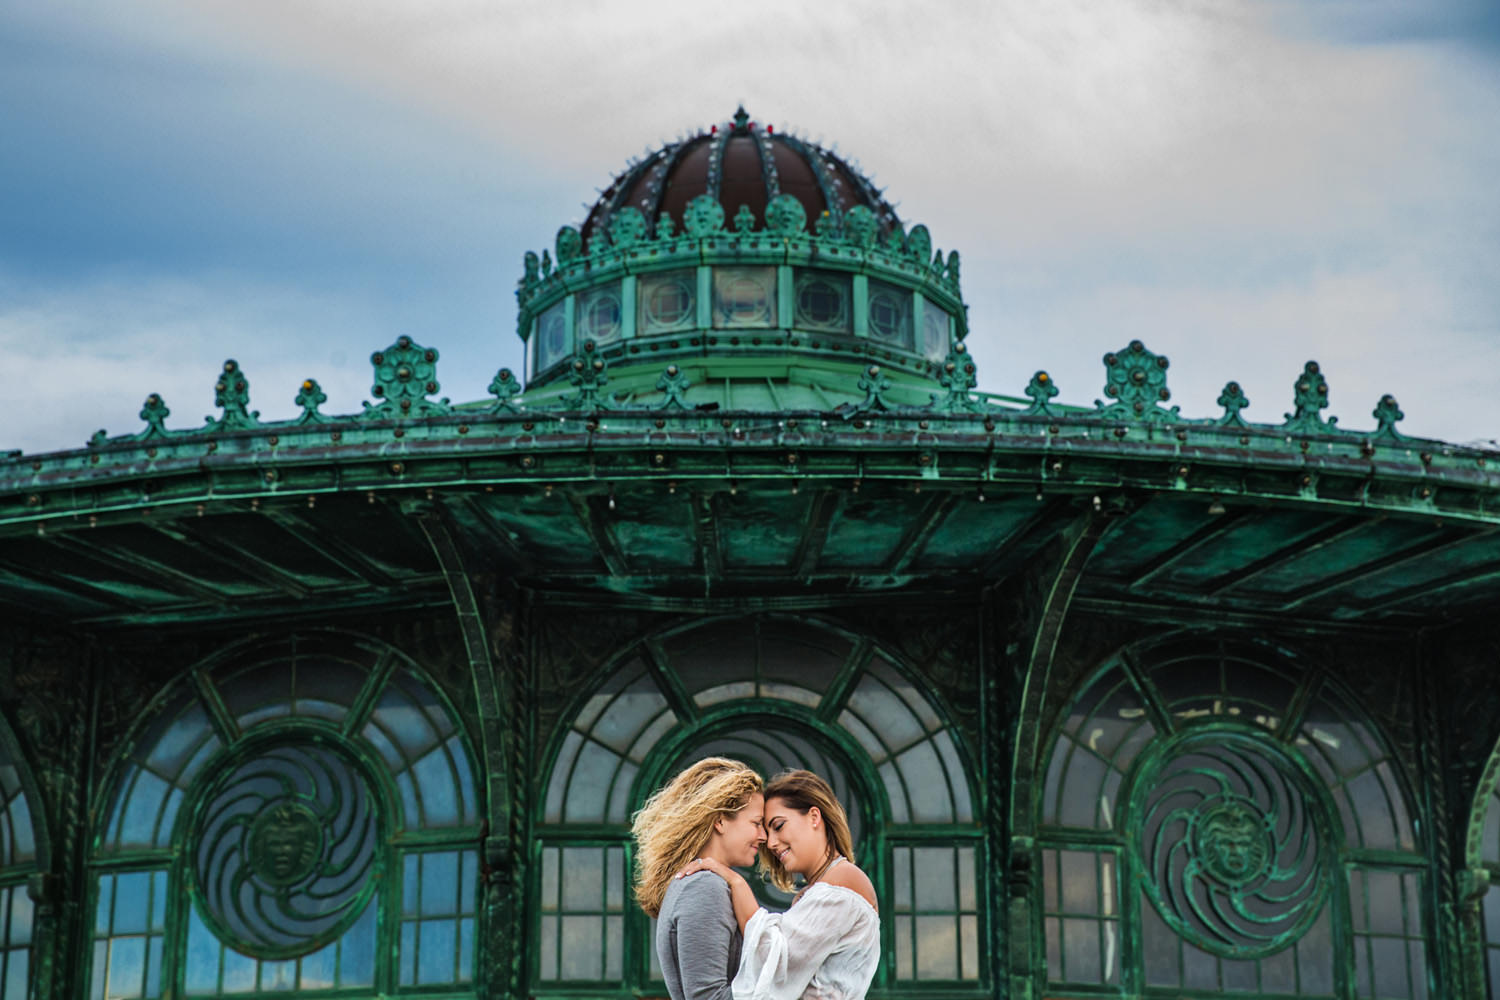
552,342
599,315
744,297
822,302
890,315
666,302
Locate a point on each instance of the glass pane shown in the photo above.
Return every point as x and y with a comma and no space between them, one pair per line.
934,331
822,302
552,341
890,315
667,302
935,878
599,315
937,947
744,297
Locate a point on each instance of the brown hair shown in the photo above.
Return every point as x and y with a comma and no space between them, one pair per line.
802,790
676,823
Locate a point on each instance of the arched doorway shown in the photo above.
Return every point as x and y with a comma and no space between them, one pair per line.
775,691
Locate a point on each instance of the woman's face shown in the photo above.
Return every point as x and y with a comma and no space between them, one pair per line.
742,834
798,839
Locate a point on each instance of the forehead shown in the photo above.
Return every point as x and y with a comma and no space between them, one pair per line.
779,807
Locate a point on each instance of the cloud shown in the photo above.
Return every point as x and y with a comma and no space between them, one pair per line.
1242,184
88,354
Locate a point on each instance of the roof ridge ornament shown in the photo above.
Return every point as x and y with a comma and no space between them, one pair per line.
232,396
958,375
674,383
405,375
1233,399
504,388
1137,382
587,373
1311,396
1387,412
154,411
1041,389
310,397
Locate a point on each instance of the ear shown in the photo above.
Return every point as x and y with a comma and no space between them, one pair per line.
814,816
719,825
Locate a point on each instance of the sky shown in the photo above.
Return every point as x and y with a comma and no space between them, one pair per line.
1244,185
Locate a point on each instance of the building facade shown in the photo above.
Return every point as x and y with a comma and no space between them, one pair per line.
1124,702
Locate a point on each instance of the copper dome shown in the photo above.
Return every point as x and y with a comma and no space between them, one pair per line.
738,163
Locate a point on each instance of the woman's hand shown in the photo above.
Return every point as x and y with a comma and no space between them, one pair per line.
719,868
741,896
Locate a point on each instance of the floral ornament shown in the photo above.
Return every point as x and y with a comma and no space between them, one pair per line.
546,264
232,395
405,375
1041,389
953,268
744,220
154,411
627,227
665,228
531,269
504,387
703,217
568,246
861,227
1233,399
1387,413
919,244
310,397
958,376
828,225
1311,396
587,373
874,383
895,241
786,217
674,382
1137,382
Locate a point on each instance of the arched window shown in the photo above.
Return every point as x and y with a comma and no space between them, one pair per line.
296,818
18,860
776,693
1219,820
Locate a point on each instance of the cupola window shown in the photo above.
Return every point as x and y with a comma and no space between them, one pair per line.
822,302
890,315
599,314
668,302
744,297
552,337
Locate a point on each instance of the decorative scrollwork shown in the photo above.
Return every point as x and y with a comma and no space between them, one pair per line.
1231,845
1310,397
154,411
232,395
287,856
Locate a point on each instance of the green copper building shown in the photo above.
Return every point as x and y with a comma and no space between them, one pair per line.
1125,702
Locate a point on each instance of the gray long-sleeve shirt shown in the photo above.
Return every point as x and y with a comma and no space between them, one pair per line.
697,938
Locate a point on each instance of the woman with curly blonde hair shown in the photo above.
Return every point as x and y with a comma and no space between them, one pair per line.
711,810
827,945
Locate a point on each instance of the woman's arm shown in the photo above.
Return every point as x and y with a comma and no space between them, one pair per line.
740,892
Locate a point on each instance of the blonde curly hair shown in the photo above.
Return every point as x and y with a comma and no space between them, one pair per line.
675,824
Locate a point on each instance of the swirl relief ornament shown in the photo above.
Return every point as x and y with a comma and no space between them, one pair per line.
1231,844
287,856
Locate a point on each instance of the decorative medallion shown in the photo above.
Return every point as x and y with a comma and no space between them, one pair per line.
287,855
1231,844
785,216
703,217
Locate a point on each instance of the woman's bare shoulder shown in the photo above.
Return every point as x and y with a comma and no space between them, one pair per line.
850,876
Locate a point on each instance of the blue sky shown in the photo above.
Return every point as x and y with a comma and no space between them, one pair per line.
1242,185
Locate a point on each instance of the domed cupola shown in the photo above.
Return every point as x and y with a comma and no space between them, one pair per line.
737,163
744,257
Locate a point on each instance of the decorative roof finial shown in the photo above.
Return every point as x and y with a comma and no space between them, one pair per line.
741,121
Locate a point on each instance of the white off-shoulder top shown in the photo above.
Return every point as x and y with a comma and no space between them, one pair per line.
825,947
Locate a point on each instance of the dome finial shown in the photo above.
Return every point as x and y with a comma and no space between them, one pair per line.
741,120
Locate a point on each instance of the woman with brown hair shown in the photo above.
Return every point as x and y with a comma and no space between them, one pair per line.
711,810
826,946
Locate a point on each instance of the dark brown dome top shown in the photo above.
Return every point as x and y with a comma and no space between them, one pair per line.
738,163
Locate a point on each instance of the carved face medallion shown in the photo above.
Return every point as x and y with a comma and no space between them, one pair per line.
1232,842
286,841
